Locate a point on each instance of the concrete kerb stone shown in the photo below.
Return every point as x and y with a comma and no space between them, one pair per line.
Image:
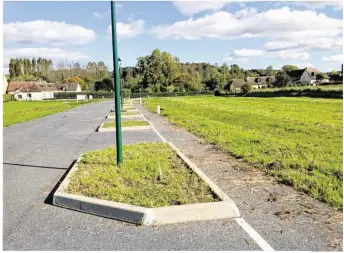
129,128
223,209
131,110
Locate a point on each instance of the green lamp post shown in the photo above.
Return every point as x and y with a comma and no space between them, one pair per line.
117,85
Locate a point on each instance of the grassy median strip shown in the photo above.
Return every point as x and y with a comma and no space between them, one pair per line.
125,113
151,175
298,140
127,123
20,111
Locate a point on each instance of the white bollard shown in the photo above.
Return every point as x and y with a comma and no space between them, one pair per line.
158,109
140,101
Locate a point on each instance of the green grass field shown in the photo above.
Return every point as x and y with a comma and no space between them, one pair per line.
127,123
151,176
18,111
298,140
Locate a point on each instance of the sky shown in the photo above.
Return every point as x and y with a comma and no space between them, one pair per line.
251,34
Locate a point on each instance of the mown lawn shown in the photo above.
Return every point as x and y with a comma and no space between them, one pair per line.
151,175
127,123
19,111
298,140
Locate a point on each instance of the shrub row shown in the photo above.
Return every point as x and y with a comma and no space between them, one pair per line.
72,95
96,95
171,94
7,97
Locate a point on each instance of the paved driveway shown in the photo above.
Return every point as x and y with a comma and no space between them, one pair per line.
36,156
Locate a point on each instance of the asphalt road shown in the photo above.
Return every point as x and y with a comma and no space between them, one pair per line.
38,153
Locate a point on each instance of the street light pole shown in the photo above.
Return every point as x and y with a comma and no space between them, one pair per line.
120,81
117,85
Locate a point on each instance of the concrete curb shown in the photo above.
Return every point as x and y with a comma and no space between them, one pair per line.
130,128
223,209
131,110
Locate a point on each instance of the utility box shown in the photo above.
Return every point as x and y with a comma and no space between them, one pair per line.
80,97
90,97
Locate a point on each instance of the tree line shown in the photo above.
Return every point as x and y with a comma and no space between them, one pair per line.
23,69
156,72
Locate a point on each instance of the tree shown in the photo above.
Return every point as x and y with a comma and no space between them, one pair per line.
282,79
319,77
158,70
108,84
334,72
247,87
269,71
18,69
288,68
99,85
185,82
34,65
12,68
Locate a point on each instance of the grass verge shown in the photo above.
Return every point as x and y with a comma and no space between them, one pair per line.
127,123
151,175
298,140
125,113
19,111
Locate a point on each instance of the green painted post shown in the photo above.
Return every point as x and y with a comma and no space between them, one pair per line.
117,85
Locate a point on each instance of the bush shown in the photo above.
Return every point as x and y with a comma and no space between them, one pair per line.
7,98
247,87
72,95
126,92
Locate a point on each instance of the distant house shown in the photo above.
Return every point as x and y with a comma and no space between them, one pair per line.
257,82
39,90
306,76
68,87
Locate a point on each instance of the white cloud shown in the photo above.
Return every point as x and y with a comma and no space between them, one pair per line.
274,23
189,8
333,58
245,12
289,55
247,52
43,31
302,65
324,43
236,59
337,5
244,54
49,53
128,30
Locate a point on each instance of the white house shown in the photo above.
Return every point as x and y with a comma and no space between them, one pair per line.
307,76
39,90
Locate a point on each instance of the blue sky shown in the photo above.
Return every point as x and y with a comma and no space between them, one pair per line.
250,34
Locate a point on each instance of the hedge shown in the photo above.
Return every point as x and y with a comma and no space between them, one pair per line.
7,98
171,94
72,95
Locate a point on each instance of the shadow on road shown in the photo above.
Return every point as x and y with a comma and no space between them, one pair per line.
49,198
35,166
